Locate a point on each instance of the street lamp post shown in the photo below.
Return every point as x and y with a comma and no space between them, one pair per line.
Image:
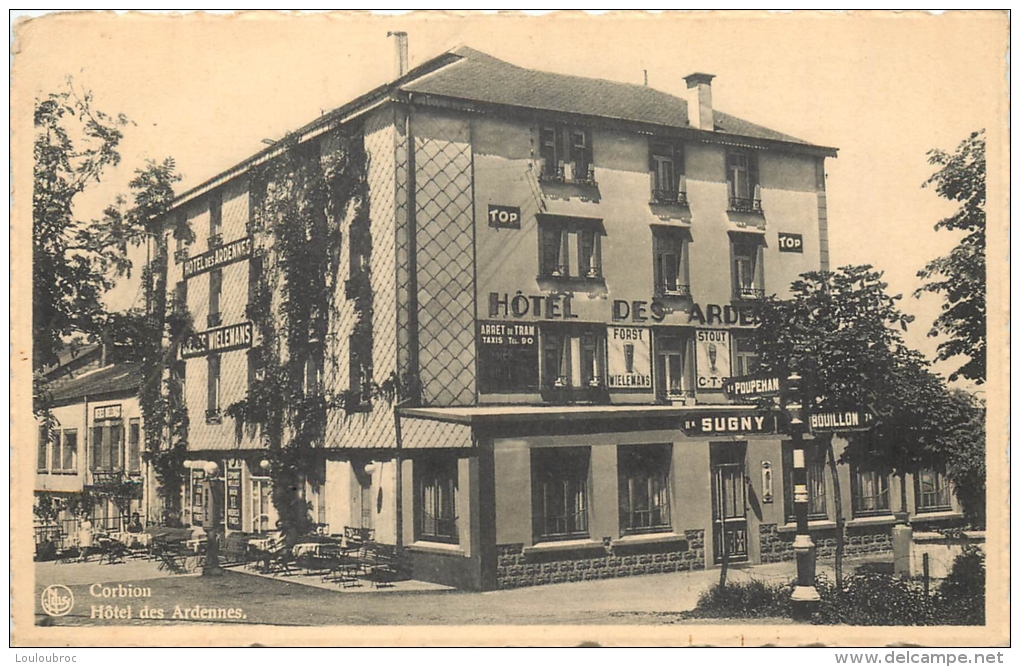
804,595
212,550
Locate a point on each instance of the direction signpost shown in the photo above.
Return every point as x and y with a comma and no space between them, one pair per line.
858,419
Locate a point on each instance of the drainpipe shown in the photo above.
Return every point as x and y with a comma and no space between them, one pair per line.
400,472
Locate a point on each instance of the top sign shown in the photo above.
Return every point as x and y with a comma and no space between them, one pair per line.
504,217
860,419
217,257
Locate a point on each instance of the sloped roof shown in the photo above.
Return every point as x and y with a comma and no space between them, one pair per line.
471,75
480,77
108,380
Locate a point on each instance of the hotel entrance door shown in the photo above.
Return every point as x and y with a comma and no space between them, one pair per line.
729,506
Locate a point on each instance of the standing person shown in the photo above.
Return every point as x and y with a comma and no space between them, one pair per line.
85,538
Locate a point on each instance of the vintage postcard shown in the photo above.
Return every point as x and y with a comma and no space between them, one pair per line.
465,329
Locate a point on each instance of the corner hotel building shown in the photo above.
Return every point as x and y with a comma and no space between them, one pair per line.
569,267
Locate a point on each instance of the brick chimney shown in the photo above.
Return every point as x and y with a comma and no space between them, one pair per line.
401,44
699,101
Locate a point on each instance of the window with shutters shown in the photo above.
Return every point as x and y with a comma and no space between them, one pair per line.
212,405
670,248
215,318
573,357
570,248
108,445
44,449
742,180
134,451
68,451
748,266
565,155
215,220
674,369
666,165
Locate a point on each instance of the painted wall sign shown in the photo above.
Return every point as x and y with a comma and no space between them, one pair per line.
791,242
751,387
504,217
630,357
233,509
220,339
712,313
860,419
547,306
107,412
507,357
713,357
217,257
731,423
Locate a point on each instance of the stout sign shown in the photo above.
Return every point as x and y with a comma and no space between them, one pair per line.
729,423
848,420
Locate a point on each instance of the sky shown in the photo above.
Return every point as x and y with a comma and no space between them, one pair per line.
883,88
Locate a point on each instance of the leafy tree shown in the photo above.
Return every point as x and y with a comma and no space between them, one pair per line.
960,275
843,332
74,262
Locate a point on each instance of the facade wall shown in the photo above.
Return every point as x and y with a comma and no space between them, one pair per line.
507,174
63,480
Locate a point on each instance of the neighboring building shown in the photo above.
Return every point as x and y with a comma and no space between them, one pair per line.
90,452
567,268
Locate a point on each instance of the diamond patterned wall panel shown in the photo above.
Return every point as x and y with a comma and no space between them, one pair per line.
427,434
444,220
373,428
403,294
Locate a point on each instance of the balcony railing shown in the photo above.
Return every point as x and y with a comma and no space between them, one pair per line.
215,240
675,291
746,205
750,293
566,172
678,197
213,416
181,255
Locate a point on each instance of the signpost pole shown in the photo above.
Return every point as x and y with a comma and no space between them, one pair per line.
804,595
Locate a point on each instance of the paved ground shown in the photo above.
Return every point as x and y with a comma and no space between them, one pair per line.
655,599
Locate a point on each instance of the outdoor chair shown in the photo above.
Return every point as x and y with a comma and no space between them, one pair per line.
384,565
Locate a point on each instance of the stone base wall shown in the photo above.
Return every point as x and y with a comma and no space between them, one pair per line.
516,569
777,546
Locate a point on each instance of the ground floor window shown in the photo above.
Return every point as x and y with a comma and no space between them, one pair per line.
814,460
261,490
644,487
932,491
436,481
870,492
559,482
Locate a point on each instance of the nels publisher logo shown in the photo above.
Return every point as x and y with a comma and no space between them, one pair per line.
57,600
